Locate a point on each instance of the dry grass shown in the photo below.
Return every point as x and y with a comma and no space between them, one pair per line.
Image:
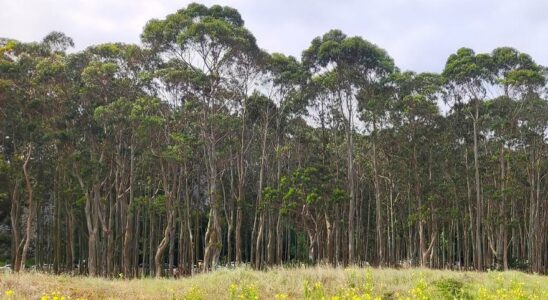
216,285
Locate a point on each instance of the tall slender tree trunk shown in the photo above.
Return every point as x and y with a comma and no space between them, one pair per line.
378,208
188,222
31,208
109,234
69,217
279,225
271,240
279,239
92,220
14,218
351,186
260,196
479,252
241,187
128,226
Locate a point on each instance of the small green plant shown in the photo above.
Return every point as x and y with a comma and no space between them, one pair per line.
368,287
56,296
313,291
451,289
420,291
194,294
281,296
514,291
247,292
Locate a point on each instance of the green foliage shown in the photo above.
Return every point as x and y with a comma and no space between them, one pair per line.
245,292
452,289
115,142
465,67
194,293
313,291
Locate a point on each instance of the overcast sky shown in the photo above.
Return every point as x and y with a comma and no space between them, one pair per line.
418,34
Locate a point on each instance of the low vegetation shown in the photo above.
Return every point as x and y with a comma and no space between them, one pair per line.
280,283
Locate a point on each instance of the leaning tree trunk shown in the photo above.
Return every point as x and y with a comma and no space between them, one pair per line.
170,192
158,257
30,215
213,243
258,243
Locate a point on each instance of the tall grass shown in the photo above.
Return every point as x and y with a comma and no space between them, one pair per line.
285,283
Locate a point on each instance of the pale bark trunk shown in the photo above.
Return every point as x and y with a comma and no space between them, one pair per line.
258,248
31,208
279,239
350,177
378,209
479,252
260,196
128,227
158,257
213,235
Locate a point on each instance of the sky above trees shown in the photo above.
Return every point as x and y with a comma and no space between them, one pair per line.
418,34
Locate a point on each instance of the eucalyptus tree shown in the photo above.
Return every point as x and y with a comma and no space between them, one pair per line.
469,76
373,66
9,110
32,75
119,123
472,78
416,110
288,81
147,154
523,83
206,42
246,76
111,76
533,129
53,80
260,112
350,65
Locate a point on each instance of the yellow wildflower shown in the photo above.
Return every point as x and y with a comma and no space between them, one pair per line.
9,293
280,296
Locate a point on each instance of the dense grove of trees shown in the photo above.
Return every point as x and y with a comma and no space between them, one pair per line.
199,149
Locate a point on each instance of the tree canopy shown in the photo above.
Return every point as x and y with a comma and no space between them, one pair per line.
199,149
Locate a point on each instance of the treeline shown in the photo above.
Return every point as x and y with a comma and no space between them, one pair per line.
199,149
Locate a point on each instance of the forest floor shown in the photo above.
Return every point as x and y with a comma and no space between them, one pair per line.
285,283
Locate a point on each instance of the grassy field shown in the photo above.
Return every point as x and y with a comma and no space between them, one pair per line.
301,283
